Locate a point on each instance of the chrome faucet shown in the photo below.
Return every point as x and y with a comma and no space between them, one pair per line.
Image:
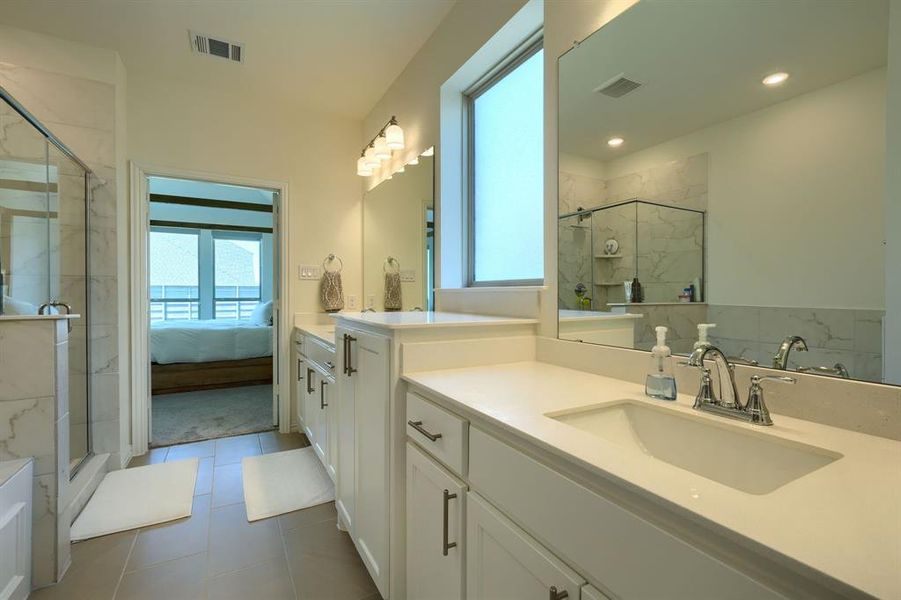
780,359
753,411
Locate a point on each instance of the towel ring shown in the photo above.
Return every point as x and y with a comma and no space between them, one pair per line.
330,259
391,263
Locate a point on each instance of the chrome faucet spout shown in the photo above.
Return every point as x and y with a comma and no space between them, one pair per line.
726,371
780,359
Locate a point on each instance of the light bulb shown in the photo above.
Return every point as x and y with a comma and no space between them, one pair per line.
413,161
394,136
363,169
615,142
371,161
399,170
430,151
382,152
775,79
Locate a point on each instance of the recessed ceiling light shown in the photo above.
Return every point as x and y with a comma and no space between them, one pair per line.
775,78
615,142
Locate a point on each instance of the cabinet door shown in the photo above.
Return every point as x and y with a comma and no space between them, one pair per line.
331,410
504,562
300,392
345,488
310,403
320,422
371,390
435,525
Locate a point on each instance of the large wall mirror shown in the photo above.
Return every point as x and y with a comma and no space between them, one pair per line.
399,240
724,161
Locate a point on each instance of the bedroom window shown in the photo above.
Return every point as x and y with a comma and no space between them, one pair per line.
237,289
174,274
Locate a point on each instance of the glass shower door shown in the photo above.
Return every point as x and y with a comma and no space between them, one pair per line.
68,230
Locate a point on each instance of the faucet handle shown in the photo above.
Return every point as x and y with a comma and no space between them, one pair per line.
756,406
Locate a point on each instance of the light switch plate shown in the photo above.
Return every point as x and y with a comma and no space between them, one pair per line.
351,302
408,275
309,272
370,301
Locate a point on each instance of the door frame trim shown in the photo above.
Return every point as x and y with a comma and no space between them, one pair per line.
139,229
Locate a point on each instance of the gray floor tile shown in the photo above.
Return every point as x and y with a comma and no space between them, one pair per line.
228,485
235,543
180,579
268,580
192,450
324,564
172,540
308,516
204,483
272,441
95,570
151,457
233,449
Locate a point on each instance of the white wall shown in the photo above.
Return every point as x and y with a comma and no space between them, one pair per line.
893,203
795,195
254,135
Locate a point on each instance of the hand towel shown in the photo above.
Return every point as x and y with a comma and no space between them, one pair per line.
392,291
332,292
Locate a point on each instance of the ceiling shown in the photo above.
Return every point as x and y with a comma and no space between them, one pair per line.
336,56
702,63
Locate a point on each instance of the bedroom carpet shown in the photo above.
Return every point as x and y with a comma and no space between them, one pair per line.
207,414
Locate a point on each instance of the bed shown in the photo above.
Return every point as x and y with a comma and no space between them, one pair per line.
196,355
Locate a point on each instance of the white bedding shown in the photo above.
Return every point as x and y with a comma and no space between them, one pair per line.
207,341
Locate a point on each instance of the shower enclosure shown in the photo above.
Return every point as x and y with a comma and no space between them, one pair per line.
44,252
601,248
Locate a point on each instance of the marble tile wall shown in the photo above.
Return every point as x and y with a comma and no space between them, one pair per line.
681,320
34,421
848,336
82,113
574,243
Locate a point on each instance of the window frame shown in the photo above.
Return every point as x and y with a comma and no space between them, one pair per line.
198,300
533,45
219,234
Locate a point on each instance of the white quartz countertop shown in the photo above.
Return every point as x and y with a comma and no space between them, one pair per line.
414,319
843,519
8,468
326,333
567,315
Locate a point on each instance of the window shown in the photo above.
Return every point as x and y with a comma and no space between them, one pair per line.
174,274
237,288
206,274
506,178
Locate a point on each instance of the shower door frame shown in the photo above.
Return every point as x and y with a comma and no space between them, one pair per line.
139,225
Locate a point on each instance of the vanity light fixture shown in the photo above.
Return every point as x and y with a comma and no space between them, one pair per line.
413,161
774,79
615,142
400,169
390,137
430,151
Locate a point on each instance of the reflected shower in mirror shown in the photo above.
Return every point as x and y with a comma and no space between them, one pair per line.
729,168
399,240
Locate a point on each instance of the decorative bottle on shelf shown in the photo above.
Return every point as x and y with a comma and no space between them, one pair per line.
660,382
637,292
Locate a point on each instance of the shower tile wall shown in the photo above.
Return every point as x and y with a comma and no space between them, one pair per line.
848,336
574,241
82,113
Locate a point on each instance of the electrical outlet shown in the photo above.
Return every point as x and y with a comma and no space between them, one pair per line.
370,301
351,302
408,275
308,272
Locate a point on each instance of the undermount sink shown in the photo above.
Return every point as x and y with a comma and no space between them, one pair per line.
752,462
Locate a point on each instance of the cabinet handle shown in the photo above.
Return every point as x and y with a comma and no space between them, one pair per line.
445,544
330,365
348,366
310,388
555,595
322,402
417,425
344,353
299,370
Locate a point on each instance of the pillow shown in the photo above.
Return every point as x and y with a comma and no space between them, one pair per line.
11,306
262,314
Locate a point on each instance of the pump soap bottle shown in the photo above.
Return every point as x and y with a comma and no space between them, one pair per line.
660,383
703,328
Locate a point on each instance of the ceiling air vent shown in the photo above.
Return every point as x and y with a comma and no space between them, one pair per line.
617,87
204,44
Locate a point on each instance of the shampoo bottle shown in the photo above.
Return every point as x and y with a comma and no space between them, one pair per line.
660,382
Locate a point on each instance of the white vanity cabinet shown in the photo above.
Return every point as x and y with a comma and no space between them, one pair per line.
15,528
503,562
315,393
364,433
435,529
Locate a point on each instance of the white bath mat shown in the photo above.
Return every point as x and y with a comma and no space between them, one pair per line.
139,497
282,482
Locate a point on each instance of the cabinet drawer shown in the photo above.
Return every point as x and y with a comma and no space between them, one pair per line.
600,539
299,341
441,433
317,351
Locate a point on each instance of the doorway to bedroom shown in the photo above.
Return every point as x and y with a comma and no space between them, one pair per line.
211,284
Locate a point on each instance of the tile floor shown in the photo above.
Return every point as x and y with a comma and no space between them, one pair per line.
215,553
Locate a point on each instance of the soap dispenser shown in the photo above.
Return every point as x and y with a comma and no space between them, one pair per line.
660,383
703,328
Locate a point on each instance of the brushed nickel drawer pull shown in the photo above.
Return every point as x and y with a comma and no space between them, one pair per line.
445,544
310,388
330,365
348,365
555,595
299,370
322,402
417,425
